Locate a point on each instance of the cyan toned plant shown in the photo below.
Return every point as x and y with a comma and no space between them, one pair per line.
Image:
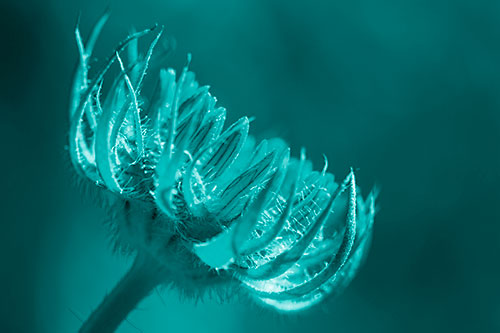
202,207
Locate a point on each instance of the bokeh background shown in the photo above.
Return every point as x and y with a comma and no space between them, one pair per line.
406,91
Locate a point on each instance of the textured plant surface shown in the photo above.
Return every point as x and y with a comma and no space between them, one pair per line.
208,205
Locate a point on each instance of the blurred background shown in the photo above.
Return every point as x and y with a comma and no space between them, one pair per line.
408,92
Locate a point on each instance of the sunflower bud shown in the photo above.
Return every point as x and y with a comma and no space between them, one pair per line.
206,202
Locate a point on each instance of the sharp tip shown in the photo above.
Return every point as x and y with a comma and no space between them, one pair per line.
154,27
302,154
325,167
107,11
78,17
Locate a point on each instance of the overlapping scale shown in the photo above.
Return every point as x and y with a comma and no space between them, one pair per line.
325,270
102,145
232,202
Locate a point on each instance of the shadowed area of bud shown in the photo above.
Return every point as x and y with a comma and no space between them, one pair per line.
207,202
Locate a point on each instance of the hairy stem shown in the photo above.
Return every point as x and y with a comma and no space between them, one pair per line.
144,275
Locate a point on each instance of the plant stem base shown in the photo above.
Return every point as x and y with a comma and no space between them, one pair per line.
144,275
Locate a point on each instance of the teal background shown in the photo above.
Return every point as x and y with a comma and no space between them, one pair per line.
406,91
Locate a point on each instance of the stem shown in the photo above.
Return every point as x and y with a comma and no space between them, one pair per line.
144,275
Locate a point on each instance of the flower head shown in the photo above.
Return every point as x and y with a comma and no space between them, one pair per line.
211,204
